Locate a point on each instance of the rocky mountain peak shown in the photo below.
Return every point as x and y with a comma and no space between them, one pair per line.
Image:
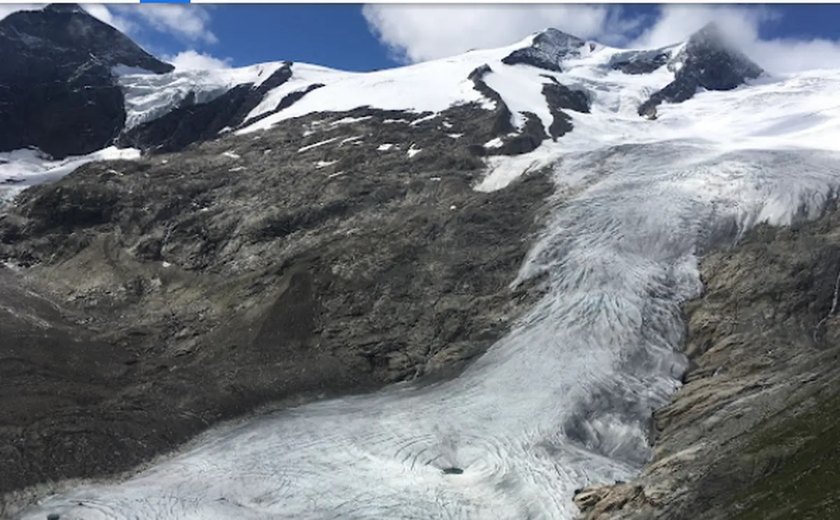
726,66
547,50
556,38
60,94
708,35
70,31
710,61
64,8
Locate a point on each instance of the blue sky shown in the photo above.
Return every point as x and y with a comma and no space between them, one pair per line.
782,38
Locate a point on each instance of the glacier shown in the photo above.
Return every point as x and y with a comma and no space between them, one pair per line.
565,398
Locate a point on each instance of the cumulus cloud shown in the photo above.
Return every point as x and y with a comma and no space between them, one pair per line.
422,32
189,22
742,25
192,60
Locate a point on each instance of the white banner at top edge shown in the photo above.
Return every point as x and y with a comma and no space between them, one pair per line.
480,2
436,2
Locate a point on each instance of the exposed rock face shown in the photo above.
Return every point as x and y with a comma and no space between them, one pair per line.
287,265
532,134
707,61
193,122
640,62
548,50
754,433
502,114
560,97
58,92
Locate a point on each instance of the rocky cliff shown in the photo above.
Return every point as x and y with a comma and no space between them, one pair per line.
59,92
754,432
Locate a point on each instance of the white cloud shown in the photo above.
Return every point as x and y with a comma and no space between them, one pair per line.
742,26
192,60
188,22
676,22
104,14
423,32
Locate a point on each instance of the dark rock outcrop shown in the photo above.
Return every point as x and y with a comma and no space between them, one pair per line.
560,97
502,115
527,139
708,61
639,62
288,100
547,51
192,122
532,134
57,89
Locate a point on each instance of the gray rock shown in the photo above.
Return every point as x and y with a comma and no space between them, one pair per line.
548,50
640,62
708,61
58,91
560,97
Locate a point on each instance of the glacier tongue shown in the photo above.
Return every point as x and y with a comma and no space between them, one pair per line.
565,398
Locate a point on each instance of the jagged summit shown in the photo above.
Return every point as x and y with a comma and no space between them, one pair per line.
547,50
70,30
708,60
60,94
557,38
710,44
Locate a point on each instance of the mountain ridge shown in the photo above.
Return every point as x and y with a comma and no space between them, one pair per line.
546,50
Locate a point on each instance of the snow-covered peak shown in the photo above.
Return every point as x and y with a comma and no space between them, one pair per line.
547,50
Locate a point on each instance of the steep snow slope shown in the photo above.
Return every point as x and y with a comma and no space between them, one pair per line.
150,96
565,398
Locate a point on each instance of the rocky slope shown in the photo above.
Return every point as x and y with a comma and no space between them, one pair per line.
241,272
754,433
